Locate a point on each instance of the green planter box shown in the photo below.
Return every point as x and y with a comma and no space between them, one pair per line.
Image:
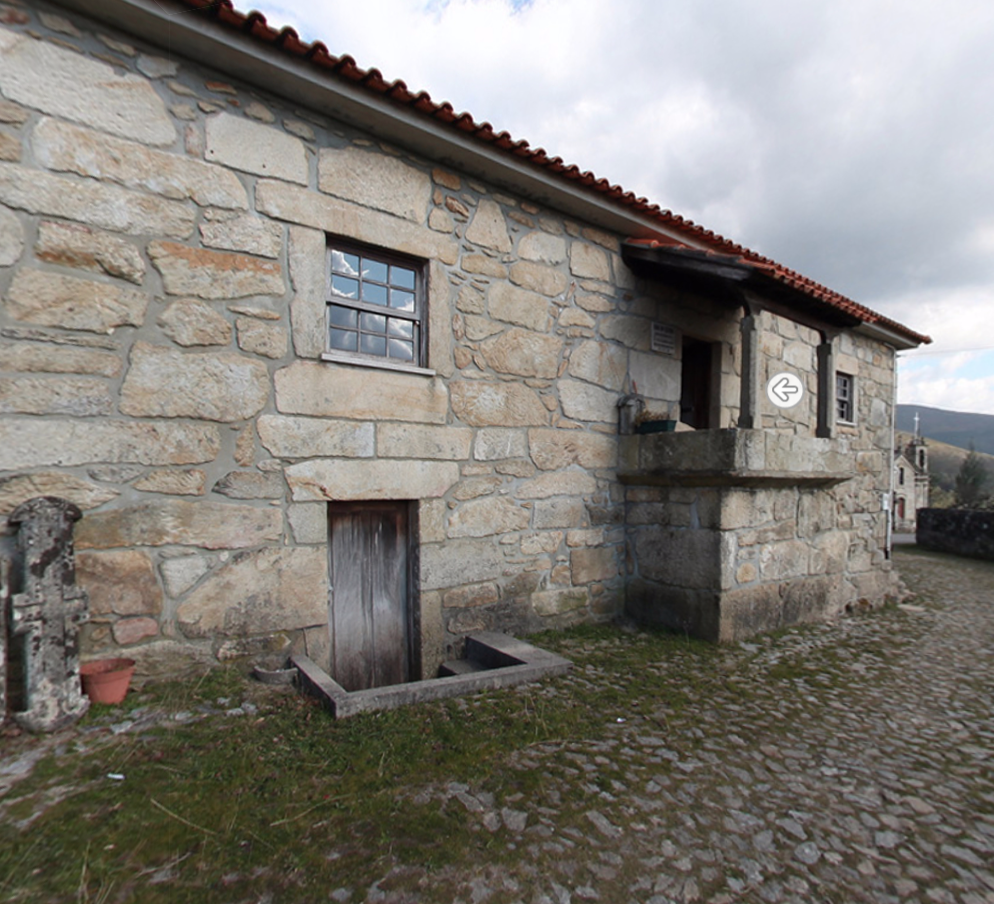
656,427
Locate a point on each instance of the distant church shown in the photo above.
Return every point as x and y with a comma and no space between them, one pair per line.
910,481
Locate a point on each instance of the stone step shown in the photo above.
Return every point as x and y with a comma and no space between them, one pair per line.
460,667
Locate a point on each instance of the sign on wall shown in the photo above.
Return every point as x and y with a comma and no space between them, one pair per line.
663,339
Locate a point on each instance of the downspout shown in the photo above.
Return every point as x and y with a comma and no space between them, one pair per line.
890,459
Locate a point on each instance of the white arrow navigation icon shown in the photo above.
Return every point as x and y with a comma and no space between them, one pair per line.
785,390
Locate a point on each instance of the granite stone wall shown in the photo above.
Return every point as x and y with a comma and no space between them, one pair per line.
163,241
776,526
163,365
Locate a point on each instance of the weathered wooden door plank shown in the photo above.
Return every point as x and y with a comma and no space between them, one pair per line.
368,612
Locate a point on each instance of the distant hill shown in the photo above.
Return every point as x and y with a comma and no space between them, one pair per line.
944,461
953,427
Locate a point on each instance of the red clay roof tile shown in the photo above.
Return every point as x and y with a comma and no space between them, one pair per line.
287,41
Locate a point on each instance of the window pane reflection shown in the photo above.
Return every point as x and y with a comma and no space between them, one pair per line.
374,294
402,328
345,263
374,323
344,288
401,277
343,340
402,301
373,345
339,316
374,270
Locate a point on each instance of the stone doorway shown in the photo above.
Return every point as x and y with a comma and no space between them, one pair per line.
371,615
696,383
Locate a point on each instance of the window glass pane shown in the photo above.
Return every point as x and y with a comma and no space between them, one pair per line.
844,397
362,285
374,323
402,301
373,345
339,316
402,350
374,294
345,263
374,270
402,328
343,340
343,287
401,277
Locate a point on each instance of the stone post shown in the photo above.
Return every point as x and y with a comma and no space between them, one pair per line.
47,614
826,388
749,391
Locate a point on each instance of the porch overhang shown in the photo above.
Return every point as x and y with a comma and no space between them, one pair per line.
733,281
756,283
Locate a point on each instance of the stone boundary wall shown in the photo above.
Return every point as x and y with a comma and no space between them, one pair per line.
962,533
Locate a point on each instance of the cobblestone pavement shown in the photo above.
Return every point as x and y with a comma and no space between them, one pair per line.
848,762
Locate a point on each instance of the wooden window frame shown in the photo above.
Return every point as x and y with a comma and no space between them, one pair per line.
845,398
419,316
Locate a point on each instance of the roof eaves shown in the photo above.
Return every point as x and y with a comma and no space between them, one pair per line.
315,54
743,260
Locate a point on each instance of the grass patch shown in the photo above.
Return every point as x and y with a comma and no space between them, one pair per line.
287,800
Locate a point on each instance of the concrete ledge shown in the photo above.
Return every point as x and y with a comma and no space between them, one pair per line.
507,662
731,457
734,478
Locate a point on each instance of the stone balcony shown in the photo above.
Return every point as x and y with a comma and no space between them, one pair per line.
733,458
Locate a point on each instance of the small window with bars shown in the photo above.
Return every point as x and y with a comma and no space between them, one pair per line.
375,305
845,398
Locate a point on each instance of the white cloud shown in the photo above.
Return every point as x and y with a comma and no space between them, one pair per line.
957,318
936,390
848,140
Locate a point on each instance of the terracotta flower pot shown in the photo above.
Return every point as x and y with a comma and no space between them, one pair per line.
106,680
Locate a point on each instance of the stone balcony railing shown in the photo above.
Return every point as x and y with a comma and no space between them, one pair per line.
732,457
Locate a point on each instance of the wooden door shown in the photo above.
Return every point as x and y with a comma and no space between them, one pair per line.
369,617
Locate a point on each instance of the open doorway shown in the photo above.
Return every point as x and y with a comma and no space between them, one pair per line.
697,381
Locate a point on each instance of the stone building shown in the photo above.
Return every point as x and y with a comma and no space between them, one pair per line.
911,482
327,364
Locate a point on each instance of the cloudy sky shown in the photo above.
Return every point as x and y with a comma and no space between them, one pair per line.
852,140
